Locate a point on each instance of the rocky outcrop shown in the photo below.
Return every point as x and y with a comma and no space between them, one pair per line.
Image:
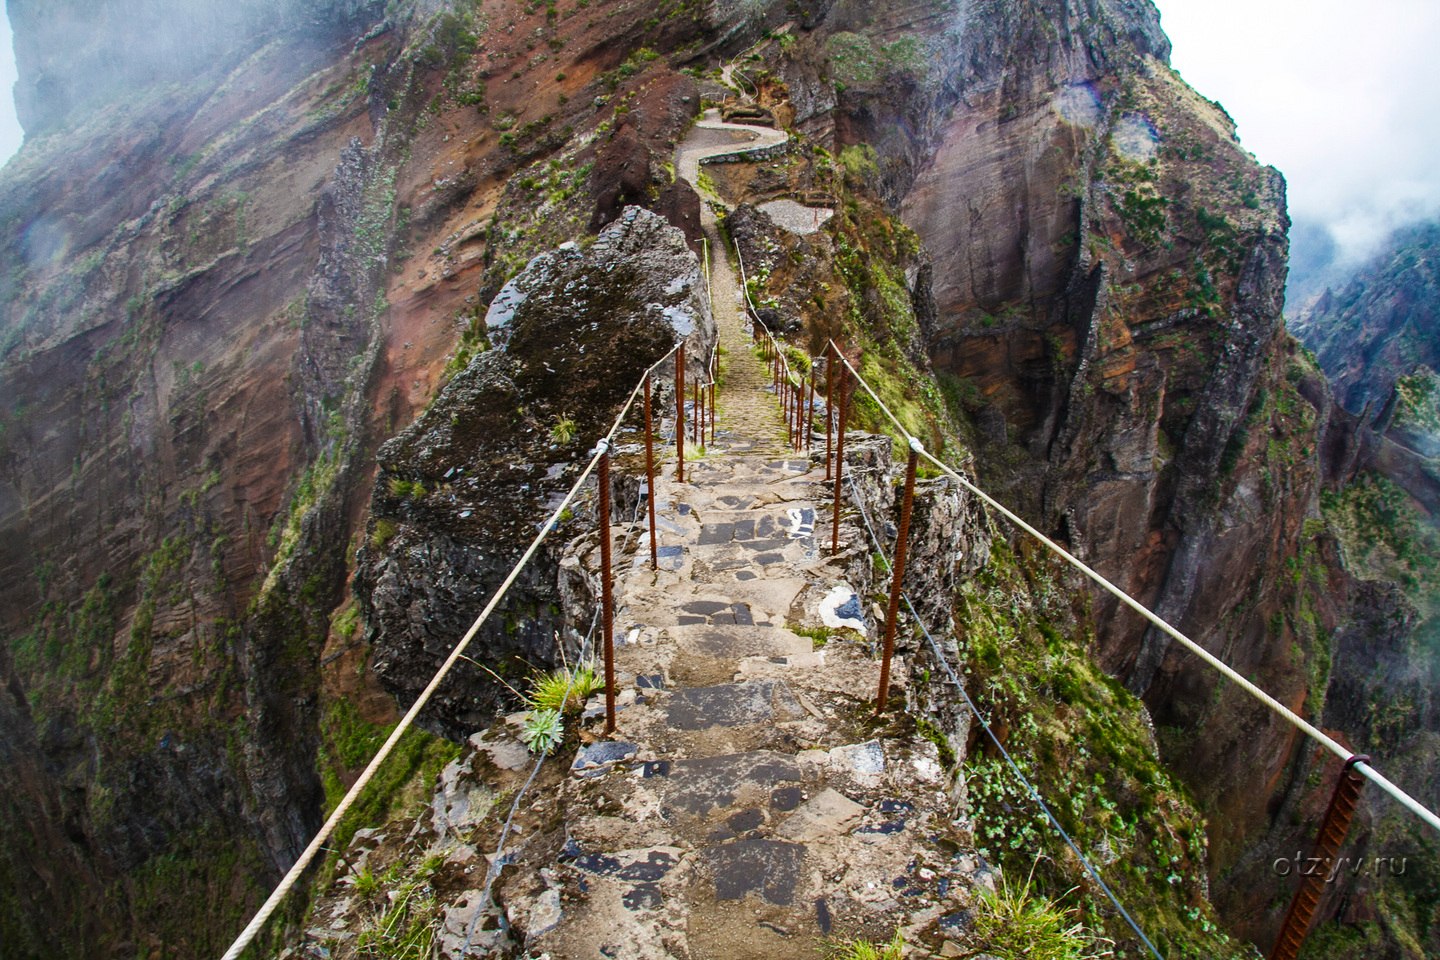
462,491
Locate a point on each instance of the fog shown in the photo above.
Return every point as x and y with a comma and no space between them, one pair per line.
1345,103
1343,99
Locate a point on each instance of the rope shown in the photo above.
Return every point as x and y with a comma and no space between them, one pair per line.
497,862
290,878
1276,706
755,316
984,725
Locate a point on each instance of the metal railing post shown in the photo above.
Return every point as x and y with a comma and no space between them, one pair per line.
810,413
650,476
897,573
695,414
1327,844
607,599
839,463
680,415
829,395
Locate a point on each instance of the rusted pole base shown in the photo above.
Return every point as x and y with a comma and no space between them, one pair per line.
650,476
844,388
607,598
897,574
1327,844
829,412
680,415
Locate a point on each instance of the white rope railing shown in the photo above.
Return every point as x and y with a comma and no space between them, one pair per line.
293,875
1363,766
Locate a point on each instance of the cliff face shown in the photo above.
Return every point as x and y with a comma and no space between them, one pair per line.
1380,326
224,292
236,274
1110,269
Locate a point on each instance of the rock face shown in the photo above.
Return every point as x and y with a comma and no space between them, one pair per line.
75,57
1114,311
1381,325
463,490
242,266
215,312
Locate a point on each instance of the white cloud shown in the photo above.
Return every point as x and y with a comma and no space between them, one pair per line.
10,134
1344,99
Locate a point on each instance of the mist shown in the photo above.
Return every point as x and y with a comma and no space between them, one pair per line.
1346,105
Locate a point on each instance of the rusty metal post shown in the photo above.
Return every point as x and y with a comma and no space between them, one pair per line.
829,398
897,573
650,476
787,408
712,410
695,415
799,414
607,599
680,414
797,400
1327,845
839,463
810,413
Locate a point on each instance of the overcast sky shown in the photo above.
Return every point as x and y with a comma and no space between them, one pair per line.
1344,99
9,127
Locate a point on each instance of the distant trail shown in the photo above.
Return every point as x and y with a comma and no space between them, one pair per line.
748,413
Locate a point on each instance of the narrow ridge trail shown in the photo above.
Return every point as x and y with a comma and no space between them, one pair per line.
750,803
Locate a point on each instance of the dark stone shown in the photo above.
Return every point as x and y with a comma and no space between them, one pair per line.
745,820
655,866
767,868
701,785
822,916
644,896
731,705
597,863
786,798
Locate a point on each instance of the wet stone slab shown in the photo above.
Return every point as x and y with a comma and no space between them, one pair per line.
707,784
732,705
769,869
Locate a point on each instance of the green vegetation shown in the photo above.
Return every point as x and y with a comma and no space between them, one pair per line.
871,251
474,340
857,60
564,690
406,928
405,779
542,731
347,742
1417,401
1017,923
384,531
1082,740
562,431
894,949
1386,536
632,65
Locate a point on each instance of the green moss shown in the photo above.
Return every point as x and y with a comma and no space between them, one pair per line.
405,778
1081,739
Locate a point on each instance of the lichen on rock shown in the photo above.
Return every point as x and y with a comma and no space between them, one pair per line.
462,491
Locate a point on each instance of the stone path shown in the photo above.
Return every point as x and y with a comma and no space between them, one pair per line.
750,804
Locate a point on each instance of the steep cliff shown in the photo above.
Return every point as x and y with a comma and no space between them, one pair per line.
227,286
237,274
1380,326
